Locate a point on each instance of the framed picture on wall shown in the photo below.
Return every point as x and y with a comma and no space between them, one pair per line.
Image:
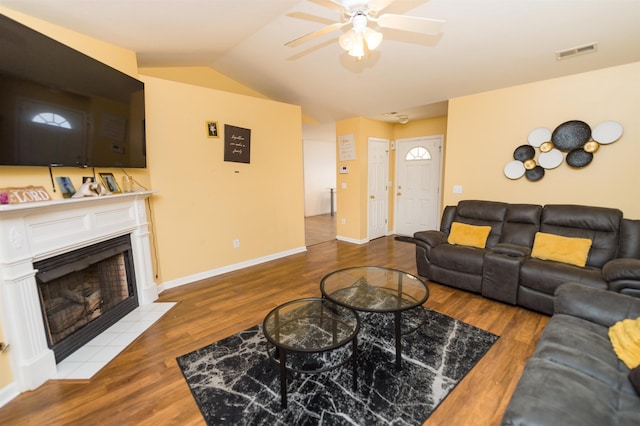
237,144
212,129
110,182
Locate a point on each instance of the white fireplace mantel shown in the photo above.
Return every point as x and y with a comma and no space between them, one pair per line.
35,231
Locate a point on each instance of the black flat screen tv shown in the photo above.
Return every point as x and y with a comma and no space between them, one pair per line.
60,107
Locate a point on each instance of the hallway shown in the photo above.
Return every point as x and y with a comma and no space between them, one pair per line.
319,229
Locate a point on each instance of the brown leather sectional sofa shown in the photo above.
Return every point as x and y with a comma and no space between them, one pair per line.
505,269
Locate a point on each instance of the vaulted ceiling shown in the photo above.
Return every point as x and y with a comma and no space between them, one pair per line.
484,45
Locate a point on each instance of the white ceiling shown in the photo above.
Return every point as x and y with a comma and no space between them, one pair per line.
485,45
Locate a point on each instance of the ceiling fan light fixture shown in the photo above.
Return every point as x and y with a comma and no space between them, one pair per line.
357,50
347,40
372,37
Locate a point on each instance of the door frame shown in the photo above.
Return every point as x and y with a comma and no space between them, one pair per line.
397,165
386,184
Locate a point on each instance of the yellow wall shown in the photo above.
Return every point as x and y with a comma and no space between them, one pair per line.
204,203
352,202
200,76
484,129
427,127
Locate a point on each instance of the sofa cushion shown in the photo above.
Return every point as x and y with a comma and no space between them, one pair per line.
484,213
468,235
555,394
585,347
458,258
546,275
521,222
598,224
625,339
573,251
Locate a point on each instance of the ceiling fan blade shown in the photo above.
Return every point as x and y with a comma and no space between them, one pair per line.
411,23
378,5
321,31
330,4
312,18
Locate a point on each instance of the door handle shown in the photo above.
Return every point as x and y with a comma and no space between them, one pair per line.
399,193
372,196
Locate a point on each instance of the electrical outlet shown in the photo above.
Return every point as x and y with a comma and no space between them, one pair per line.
236,243
343,221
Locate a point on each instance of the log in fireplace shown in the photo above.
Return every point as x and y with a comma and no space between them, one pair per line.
84,292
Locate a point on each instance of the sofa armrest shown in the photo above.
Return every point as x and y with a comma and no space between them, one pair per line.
599,306
500,276
621,269
513,250
431,238
407,239
623,276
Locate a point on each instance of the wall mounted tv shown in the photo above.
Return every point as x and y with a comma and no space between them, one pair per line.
60,107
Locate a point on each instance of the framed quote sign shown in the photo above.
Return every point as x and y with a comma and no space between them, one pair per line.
237,144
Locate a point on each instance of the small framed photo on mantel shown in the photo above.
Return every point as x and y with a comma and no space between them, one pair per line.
66,187
110,183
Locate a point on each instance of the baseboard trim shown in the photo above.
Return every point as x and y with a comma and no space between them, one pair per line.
351,240
7,393
230,268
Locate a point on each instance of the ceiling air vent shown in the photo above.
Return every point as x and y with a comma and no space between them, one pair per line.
575,51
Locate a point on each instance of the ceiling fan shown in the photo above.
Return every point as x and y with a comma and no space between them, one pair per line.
359,13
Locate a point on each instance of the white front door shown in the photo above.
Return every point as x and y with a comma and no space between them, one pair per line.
418,184
378,177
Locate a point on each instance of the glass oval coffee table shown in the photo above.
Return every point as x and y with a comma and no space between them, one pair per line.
309,336
376,289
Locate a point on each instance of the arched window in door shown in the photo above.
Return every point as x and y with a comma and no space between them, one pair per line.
418,153
51,119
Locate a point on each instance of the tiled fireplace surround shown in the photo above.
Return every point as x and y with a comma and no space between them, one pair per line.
36,231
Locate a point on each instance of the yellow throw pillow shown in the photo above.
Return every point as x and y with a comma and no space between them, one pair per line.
468,235
561,249
625,339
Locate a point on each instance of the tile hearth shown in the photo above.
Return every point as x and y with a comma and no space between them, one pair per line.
92,357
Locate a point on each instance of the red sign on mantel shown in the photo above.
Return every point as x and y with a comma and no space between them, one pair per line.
27,194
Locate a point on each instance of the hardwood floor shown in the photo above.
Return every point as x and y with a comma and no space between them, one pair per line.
144,386
319,229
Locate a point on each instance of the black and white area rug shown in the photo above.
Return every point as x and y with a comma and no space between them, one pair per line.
234,381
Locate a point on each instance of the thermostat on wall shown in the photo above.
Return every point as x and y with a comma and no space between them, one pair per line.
344,169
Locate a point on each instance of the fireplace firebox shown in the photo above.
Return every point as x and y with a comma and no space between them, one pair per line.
84,292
